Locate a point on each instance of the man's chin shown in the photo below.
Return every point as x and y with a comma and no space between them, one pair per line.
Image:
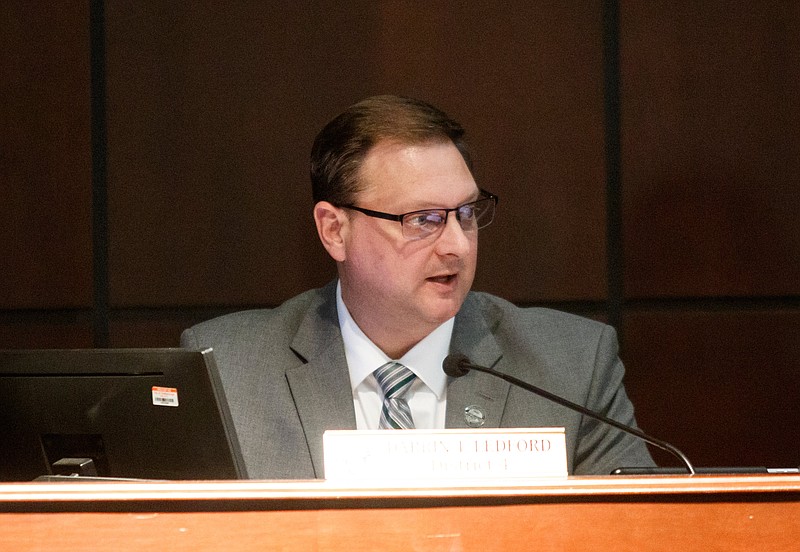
442,310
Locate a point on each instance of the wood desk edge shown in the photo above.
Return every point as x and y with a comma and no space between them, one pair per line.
253,490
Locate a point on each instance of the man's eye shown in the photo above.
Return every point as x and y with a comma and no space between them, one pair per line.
424,219
466,212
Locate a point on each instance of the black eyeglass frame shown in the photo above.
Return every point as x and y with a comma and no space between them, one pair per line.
400,218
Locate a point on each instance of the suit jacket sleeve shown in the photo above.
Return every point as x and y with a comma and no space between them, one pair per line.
601,448
285,377
569,356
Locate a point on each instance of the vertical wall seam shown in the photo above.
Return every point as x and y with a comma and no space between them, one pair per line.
100,329
613,156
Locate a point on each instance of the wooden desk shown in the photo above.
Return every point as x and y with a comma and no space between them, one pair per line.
754,513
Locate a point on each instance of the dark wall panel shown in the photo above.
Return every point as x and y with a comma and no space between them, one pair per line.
711,149
212,112
45,156
721,386
163,331
212,108
50,332
525,78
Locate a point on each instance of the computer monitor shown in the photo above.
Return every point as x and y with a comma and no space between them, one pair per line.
154,414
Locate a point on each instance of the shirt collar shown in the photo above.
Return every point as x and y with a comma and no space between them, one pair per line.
364,357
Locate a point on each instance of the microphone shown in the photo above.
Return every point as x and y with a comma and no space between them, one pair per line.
456,365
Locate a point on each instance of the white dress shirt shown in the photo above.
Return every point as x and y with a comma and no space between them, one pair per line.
427,396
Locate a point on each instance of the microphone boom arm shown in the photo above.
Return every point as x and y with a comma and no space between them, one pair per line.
582,409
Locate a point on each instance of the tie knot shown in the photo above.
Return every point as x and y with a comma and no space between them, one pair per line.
394,379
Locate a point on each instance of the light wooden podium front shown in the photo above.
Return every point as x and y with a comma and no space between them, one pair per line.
755,513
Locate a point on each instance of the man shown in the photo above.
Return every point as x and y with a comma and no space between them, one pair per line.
398,209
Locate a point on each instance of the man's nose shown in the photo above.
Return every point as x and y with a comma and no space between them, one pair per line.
453,240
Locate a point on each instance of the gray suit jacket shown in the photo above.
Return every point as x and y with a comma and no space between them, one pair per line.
286,380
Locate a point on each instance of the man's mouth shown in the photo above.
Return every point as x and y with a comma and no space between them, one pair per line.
442,279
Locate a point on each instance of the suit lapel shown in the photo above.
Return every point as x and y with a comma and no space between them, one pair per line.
473,336
321,387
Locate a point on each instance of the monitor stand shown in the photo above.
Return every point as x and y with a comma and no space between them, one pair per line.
79,470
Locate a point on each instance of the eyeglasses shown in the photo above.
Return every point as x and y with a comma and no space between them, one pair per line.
428,222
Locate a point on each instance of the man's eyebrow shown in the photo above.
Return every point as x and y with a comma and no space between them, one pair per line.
473,197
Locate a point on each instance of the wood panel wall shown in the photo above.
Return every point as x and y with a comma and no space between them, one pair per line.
684,116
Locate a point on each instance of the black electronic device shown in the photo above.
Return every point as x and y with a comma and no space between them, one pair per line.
154,414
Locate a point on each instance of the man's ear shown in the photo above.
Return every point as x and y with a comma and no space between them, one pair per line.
332,227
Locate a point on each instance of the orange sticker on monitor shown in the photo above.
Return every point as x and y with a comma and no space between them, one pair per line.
165,396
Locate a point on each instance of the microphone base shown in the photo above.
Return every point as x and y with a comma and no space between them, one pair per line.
716,470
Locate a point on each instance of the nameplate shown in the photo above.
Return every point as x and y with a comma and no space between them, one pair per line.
419,456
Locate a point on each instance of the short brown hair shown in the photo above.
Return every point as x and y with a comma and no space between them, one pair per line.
342,144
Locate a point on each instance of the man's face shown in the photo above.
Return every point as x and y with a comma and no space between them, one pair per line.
390,283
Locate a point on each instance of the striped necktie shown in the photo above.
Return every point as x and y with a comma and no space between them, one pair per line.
395,380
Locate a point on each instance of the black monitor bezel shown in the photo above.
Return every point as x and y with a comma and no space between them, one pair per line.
37,388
